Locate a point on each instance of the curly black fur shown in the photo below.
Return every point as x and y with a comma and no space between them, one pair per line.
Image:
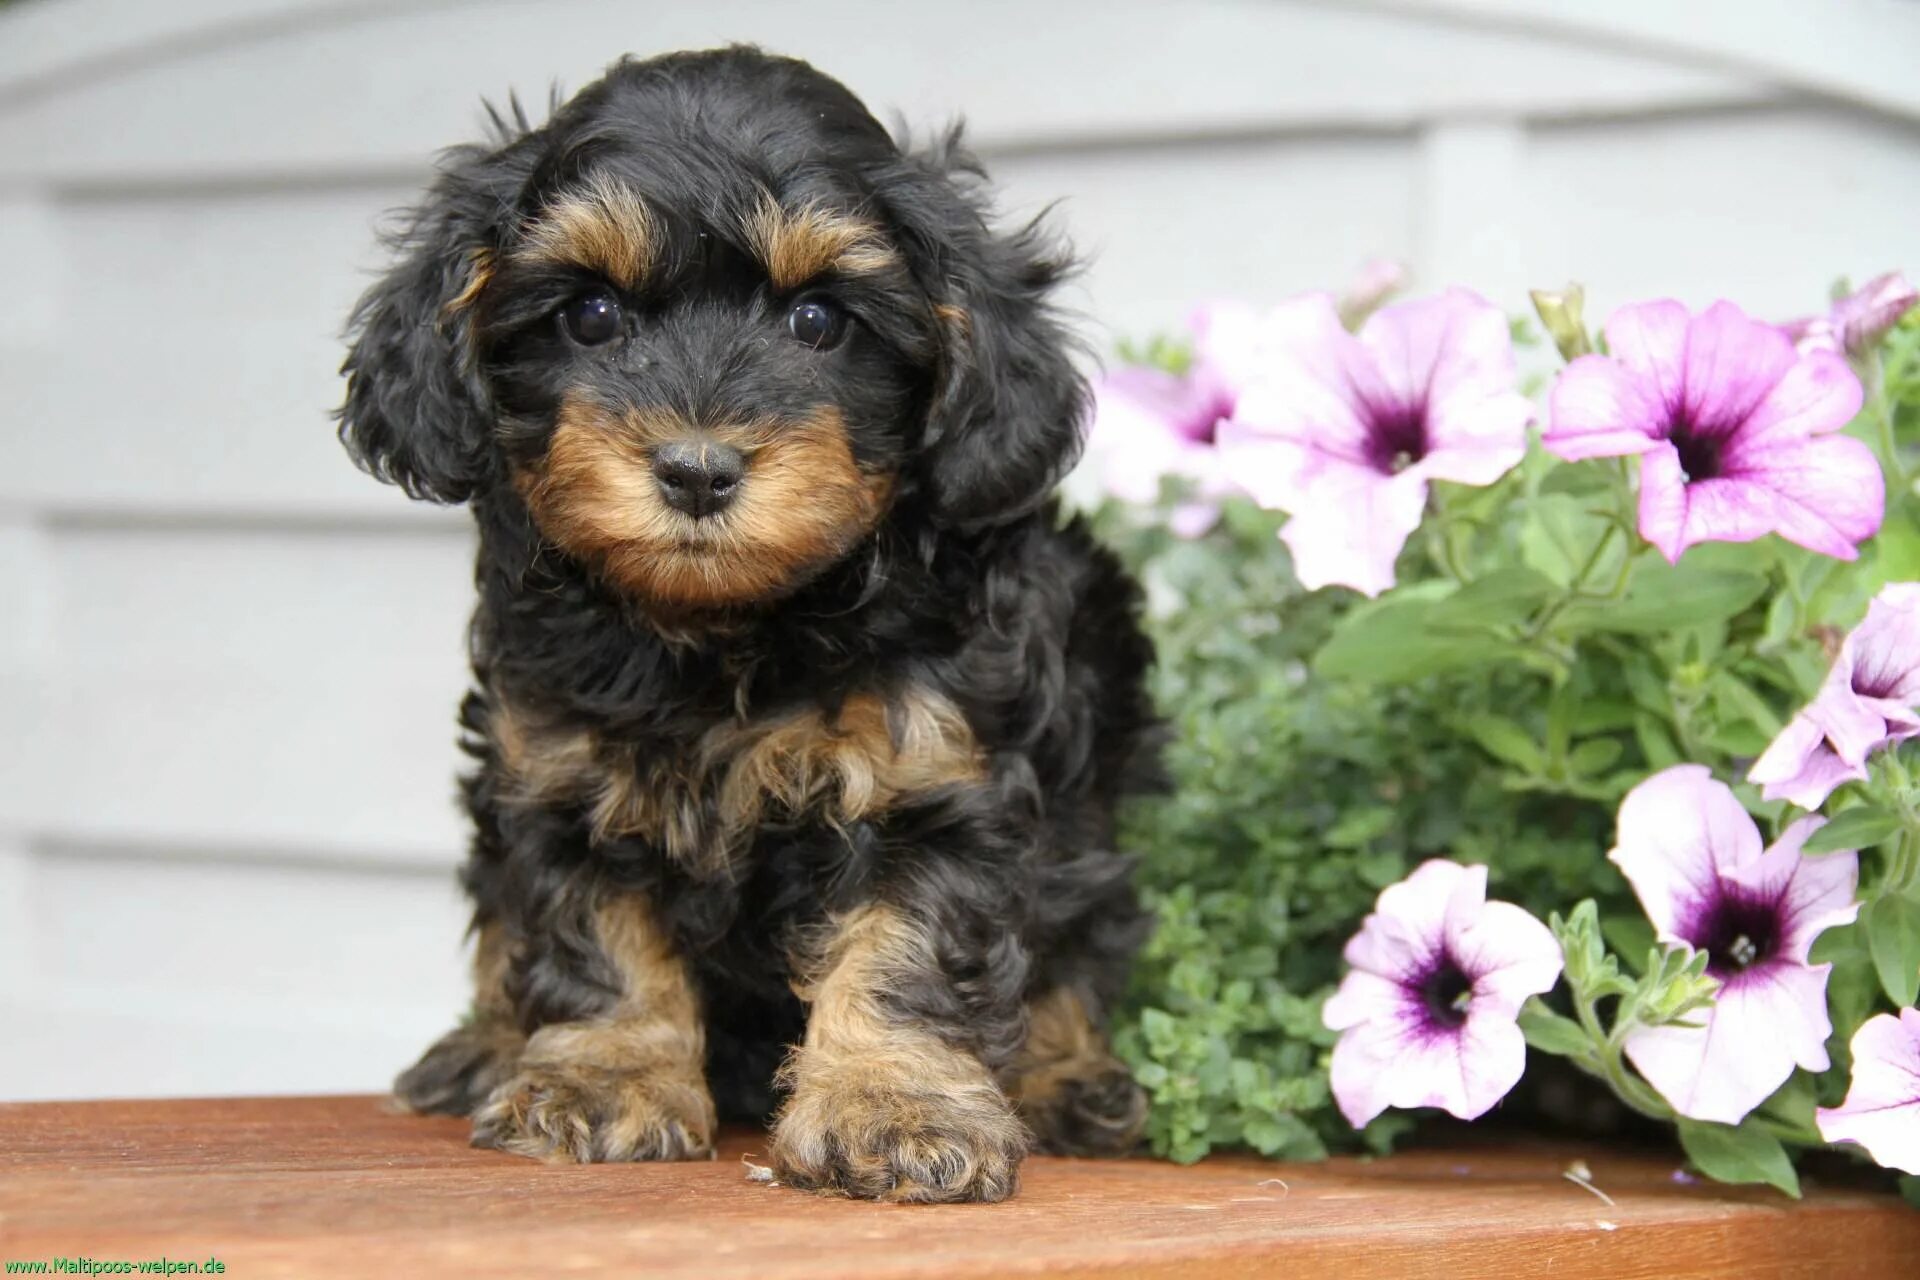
955,387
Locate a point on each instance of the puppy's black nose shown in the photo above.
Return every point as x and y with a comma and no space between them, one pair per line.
698,477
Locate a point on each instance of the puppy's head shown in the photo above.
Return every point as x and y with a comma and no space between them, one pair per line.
713,326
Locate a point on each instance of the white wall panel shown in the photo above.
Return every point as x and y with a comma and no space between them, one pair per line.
401,83
193,976
1165,226
247,688
1763,208
284,942
194,358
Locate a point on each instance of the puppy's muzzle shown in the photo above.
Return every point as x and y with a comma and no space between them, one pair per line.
698,477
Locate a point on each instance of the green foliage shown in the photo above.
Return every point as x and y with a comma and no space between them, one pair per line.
1893,940
1536,661
1740,1153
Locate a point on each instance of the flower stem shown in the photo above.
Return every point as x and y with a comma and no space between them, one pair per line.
1608,1061
1576,588
1440,541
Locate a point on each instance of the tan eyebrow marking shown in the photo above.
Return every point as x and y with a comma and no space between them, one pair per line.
601,227
795,245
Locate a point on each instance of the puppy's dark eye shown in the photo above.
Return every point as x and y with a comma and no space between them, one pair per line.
818,322
592,318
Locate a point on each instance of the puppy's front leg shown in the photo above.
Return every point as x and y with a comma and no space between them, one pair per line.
886,1103
627,1085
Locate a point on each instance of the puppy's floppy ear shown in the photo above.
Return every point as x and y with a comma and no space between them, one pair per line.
417,412
1008,410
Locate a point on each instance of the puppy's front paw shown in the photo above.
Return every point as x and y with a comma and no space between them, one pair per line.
462,1068
568,1111
859,1133
1096,1110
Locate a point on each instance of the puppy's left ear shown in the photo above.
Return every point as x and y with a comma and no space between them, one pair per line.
1008,411
417,412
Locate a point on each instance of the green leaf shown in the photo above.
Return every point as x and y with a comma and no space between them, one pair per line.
1504,740
1573,478
1676,986
1648,688
1662,597
1591,973
1739,1154
1358,827
1594,756
1548,1032
1628,935
1503,597
1559,536
1600,715
1898,549
1739,699
1740,739
1396,639
1893,938
1656,743
1860,827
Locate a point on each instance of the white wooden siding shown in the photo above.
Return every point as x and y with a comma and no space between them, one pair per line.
229,663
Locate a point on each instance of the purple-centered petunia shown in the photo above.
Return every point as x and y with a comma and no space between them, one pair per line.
1734,428
1882,1108
1149,423
1343,431
1427,1017
1870,700
1694,859
1854,325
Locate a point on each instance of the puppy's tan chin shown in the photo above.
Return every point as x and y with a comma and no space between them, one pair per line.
697,574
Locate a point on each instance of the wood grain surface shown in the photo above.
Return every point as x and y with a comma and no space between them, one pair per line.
302,1186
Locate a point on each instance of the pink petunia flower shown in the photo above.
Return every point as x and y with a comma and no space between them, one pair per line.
1734,430
1149,423
1854,325
1428,1014
1344,431
1882,1110
1694,860
1867,702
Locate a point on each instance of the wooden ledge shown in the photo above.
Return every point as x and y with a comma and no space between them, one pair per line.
297,1186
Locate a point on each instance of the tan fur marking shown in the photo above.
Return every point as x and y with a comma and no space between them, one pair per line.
479,272
880,1108
797,245
492,958
802,504
466,1064
1074,1094
842,767
630,1085
848,766
601,227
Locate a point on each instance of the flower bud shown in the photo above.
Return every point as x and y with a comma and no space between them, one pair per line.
1560,312
1865,316
1376,282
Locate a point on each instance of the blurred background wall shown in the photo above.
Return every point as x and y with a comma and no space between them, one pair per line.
229,662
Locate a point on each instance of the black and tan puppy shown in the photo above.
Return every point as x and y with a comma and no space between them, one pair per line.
799,715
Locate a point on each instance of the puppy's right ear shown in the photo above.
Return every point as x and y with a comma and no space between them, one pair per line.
417,412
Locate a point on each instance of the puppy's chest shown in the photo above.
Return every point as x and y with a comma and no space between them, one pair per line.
701,800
